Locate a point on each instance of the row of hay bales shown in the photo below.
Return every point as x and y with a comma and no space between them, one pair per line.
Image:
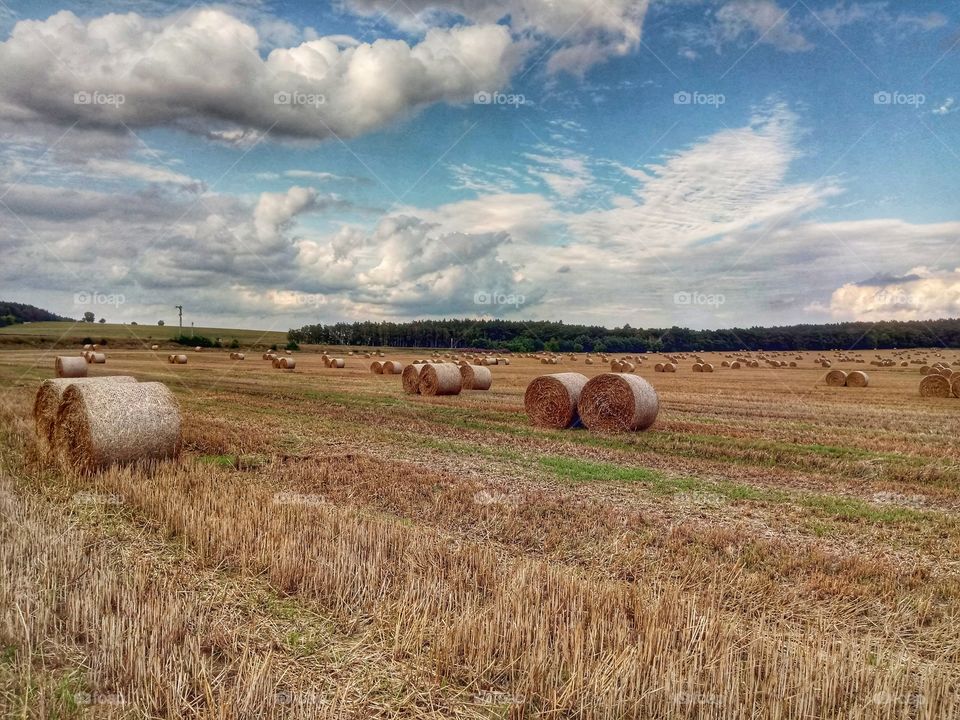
387,367
94,357
940,368
333,362
609,401
238,356
444,378
89,423
840,378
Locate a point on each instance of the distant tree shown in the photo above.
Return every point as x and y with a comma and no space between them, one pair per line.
160,323
292,345
133,323
234,344
89,317
8,320
102,320
87,341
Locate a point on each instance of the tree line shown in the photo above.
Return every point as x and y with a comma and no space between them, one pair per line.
535,335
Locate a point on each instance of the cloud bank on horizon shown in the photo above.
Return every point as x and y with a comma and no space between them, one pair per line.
707,163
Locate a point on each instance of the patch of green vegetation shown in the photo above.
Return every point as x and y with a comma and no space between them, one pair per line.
8,654
228,461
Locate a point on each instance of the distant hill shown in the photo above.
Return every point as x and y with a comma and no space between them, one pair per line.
12,313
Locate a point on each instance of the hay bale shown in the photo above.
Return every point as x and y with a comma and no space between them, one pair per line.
180,359
376,367
836,378
287,363
698,367
154,347
588,361
410,378
552,400
658,367
198,349
276,363
100,424
46,403
935,385
99,358
735,365
476,377
707,368
669,368
618,403
440,379
268,355
857,378
955,385
70,367
337,362
392,367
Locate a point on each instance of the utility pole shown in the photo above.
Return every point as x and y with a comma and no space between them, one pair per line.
180,308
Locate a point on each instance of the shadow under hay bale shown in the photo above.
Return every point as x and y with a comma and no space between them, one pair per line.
552,400
618,402
101,424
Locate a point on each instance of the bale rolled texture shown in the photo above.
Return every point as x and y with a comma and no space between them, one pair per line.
410,379
440,379
180,359
337,362
836,378
955,385
392,367
669,368
376,367
618,403
552,400
276,362
476,377
47,402
935,385
99,358
857,378
70,367
287,363
99,424
707,368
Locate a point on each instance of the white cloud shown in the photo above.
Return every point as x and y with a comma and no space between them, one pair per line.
202,73
947,107
761,21
922,294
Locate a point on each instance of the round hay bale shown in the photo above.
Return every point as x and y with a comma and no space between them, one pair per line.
658,367
154,347
392,367
588,361
171,358
88,346
376,367
618,403
99,358
707,367
935,385
338,363
180,359
754,363
47,402
669,368
268,356
698,367
476,377
955,385
627,367
551,400
836,378
241,356
70,367
946,372
410,378
275,362
725,363
440,379
793,364
198,349
735,365
615,365
99,424
857,378
287,363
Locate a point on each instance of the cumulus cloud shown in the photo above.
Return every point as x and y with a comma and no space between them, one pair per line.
203,72
761,21
922,294
578,34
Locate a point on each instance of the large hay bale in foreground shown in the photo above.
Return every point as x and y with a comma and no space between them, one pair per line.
618,402
935,385
476,377
70,367
552,400
955,385
440,379
410,378
100,424
857,378
836,378
48,397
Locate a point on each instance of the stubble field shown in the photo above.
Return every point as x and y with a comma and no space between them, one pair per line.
330,547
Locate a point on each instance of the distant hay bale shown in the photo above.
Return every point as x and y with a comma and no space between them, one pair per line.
268,355
275,362
337,362
376,367
287,363
392,367
615,365
180,359
100,424
88,346
707,368
47,402
198,349
476,377
410,378
588,361
154,347
836,378
669,368
698,367
552,400
627,367
793,364
935,385
735,365
238,356
857,378
616,402
754,363
440,379
725,363
658,367
955,385
925,370
70,367
99,358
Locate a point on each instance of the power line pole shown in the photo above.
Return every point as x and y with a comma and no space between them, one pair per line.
180,308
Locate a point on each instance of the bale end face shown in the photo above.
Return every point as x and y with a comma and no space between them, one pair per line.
552,401
618,403
70,367
440,379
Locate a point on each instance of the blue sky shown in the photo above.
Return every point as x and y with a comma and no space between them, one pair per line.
697,163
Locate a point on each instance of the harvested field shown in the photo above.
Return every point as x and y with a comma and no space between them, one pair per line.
331,546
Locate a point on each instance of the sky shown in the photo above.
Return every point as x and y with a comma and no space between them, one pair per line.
700,163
